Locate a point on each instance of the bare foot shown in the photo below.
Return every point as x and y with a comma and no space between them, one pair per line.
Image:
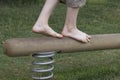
46,30
76,34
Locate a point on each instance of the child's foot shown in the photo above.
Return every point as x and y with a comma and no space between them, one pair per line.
46,30
76,34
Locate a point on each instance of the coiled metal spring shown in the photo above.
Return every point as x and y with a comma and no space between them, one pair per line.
43,65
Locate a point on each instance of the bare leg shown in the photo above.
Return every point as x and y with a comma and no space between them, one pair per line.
41,26
70,29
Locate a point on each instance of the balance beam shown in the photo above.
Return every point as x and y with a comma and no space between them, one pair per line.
27,46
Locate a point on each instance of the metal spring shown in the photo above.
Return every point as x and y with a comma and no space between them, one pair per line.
43,55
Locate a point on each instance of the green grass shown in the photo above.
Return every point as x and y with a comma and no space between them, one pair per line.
97,17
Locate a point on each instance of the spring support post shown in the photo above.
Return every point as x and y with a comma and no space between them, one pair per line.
43,65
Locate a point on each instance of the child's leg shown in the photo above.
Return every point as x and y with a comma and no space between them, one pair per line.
41,25
70,29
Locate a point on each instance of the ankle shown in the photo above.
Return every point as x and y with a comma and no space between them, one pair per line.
69,28
40,24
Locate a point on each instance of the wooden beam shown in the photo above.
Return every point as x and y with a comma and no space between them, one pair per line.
27,46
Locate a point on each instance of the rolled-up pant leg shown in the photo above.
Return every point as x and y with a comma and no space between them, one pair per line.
74,3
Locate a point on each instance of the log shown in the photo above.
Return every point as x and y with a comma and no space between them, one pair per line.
27,46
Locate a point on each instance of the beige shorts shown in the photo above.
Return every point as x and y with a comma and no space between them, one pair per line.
74,3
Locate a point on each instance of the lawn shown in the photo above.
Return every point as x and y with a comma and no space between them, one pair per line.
96,17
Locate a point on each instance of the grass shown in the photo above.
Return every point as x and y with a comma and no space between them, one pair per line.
97,17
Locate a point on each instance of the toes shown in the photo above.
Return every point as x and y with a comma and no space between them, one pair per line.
84,40
88,36
88,39
53,34
58,35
